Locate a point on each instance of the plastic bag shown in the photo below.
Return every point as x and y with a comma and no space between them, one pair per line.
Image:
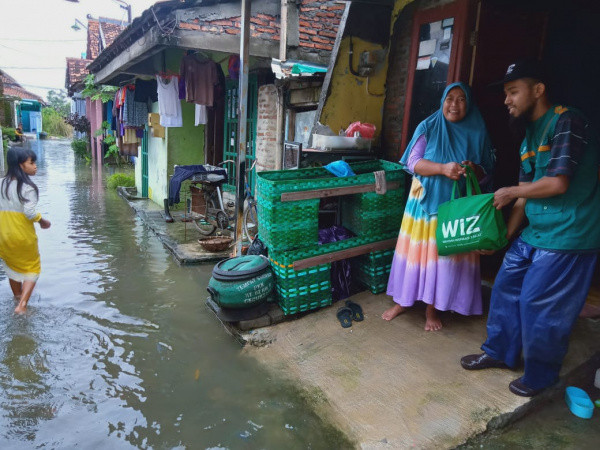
340,169
257,247
341,277
366,130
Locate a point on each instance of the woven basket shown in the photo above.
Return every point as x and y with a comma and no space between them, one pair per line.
215,243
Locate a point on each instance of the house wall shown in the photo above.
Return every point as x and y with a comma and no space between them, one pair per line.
314,24
186,144
266,128
353,98
157,166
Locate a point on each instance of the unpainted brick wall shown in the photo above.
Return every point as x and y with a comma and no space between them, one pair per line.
318,24
266,128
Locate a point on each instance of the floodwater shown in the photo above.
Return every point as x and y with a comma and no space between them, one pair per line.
551,426
118,349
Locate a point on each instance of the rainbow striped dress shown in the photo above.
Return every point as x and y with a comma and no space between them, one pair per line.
449,283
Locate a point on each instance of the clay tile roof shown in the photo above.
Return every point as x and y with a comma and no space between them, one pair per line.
101,33
110,31
93,39
76,72
13,89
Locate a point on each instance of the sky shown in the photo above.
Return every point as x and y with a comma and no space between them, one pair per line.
36,37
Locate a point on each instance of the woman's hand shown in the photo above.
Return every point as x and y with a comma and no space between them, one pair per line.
44,223
453,170
477,169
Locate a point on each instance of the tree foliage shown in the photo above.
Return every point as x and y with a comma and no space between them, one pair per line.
58,102
102,92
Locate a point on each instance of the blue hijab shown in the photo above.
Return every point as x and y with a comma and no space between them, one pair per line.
450,142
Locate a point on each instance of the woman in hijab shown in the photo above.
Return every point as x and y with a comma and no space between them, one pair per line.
453,135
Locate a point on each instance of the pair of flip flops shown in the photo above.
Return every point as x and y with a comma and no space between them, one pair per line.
346,314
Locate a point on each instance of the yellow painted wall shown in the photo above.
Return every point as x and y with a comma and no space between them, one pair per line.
353,98
349,99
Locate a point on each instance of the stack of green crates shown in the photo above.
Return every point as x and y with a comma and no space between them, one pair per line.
373,270
290,229
288,225
372,213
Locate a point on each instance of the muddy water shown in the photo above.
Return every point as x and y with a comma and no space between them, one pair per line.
550,427
118,349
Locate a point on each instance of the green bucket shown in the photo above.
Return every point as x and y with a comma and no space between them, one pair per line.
241,282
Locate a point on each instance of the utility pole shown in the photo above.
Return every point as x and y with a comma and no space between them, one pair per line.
127,7
242,125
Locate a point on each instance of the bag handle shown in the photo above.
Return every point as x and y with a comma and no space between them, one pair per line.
472,183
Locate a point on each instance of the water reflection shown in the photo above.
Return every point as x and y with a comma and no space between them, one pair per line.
118,349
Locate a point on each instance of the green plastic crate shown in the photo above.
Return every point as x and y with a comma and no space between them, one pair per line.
310,288
373,270
288,225
372,213
271,184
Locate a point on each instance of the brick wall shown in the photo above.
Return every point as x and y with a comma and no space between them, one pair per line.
266,128
318,24
397,77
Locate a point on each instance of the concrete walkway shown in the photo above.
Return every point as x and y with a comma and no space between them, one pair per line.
385,384
393,385
179,237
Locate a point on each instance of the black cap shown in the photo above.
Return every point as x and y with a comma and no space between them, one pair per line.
524,68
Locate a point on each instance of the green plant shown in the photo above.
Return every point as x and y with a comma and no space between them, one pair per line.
120,179
79,123
54,123
103,93
80,148
9,133
113,150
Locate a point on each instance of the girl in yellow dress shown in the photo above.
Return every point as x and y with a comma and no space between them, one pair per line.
19,255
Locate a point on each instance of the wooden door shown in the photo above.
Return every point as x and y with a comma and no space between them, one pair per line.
504,35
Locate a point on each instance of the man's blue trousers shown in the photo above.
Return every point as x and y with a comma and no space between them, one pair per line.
536,299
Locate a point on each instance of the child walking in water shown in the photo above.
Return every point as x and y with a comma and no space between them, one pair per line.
19,254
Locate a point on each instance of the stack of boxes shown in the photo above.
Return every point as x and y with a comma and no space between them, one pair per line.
290,229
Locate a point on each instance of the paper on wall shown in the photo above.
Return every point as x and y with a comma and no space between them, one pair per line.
423,63
427,48
435,27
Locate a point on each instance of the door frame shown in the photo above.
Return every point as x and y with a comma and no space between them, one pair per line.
458,68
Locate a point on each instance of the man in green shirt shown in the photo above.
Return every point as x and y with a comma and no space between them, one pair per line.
546,274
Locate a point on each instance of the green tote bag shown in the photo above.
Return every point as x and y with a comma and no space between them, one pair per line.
469,223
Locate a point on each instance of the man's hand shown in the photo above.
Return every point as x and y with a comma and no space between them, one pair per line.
44,223
503,197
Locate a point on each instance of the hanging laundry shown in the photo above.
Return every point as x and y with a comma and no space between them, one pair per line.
234,67
200,79
169,106
135,114
201,116
145,90
181,87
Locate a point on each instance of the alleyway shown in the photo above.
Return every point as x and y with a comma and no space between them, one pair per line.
119,350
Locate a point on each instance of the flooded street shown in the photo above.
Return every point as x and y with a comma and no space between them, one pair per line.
118,349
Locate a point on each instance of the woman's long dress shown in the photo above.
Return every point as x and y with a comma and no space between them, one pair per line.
449,283
19,255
